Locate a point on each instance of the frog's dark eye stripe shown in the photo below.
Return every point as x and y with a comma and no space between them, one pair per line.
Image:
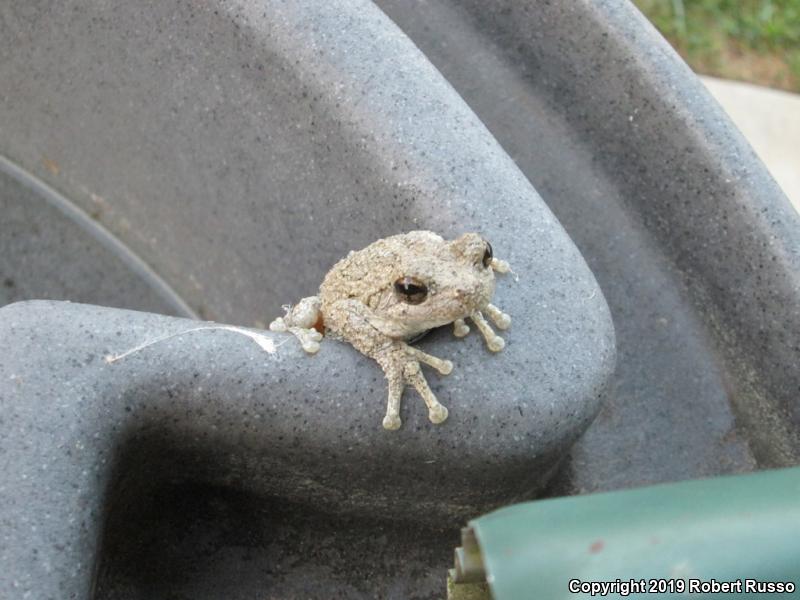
411,290
487,254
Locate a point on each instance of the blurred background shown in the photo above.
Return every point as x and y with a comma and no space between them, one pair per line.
748,52
756,41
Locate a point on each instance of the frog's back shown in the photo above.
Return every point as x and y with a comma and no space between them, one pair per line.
365,272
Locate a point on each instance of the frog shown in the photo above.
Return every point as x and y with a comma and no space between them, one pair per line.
386,296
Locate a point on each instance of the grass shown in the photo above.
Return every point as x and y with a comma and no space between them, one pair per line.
748,40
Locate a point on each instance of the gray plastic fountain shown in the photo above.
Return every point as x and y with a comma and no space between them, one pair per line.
213,160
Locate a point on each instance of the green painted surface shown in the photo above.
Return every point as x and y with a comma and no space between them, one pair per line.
726,529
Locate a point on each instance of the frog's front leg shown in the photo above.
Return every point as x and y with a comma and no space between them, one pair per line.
357,324
302,320
498,317
493,341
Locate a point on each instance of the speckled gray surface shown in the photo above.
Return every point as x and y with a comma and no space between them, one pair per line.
310,129
212,407
266,145
51,250
694,246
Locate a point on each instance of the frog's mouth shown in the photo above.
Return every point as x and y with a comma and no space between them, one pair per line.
415,337
477,298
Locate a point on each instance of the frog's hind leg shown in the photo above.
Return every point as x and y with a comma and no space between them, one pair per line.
309,338
412,373
400,363
445,367
303,321
392,419
352,320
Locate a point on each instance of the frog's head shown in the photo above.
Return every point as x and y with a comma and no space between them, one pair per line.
435,282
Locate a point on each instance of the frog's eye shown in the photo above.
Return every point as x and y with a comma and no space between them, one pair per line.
487,254
411,290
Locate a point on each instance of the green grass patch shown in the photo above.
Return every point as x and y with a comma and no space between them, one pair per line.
752,40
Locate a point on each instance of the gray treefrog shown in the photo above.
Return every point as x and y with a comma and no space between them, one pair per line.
379,298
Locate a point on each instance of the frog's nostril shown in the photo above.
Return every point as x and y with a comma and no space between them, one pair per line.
468,295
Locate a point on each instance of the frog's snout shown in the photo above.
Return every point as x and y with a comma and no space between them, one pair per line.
475,296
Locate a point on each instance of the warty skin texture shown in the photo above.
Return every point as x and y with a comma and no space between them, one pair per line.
379,298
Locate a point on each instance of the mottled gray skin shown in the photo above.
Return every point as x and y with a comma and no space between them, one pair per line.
359,303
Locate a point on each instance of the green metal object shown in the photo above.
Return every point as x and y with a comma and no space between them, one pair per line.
675,540
467,580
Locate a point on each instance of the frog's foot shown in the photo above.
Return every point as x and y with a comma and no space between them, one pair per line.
501,266
498,317
309,338
401,366
302,321
460,328
493,341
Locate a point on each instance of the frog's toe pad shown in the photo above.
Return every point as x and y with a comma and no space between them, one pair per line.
460,328
392,422
310,346
503,321
438,414
496,343
278,325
